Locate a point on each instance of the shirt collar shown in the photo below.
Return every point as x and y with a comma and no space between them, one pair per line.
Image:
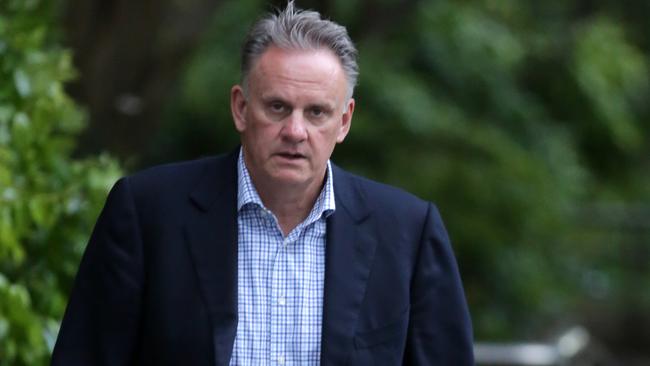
247,194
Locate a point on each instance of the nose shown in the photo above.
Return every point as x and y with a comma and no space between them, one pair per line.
294,128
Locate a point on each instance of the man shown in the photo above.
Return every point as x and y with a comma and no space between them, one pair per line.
270,255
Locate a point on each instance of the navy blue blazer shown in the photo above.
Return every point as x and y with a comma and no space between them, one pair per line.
157,284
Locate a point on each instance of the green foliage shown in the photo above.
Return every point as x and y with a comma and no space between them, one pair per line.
507,120
48,200
518,119
612,84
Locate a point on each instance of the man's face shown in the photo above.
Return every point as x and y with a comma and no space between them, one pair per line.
295,112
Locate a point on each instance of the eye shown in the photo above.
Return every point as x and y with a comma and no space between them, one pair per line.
277,107
316,111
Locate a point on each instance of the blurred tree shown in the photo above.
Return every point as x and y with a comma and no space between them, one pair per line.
48,201
130,54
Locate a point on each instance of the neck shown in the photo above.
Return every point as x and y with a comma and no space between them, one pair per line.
289,204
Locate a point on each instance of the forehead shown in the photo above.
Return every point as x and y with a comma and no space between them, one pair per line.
305,70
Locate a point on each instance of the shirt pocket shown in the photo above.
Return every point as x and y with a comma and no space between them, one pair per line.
388,334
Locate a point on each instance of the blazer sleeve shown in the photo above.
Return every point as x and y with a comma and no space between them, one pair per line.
440,331
101,321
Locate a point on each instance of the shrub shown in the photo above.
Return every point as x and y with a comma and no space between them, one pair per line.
48,199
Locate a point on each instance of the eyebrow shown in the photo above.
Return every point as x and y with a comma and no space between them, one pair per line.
324,106
270,98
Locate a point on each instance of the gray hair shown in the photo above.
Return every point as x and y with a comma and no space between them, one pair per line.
296,29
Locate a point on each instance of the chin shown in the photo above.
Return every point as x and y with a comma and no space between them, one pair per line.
290,178
293,181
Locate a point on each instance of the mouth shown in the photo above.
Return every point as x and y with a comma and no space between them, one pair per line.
291,156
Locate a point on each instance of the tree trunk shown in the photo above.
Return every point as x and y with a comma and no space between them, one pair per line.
129,54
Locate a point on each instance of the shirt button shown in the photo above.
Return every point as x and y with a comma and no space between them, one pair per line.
281,360
282,300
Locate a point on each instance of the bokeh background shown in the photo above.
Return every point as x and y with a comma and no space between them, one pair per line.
527,122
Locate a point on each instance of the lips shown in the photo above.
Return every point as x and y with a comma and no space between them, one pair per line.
291,155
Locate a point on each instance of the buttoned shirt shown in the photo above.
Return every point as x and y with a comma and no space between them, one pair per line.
280,280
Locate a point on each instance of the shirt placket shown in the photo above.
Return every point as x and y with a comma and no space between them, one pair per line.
281,297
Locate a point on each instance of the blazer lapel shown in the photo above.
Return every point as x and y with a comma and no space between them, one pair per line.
349,252
211,231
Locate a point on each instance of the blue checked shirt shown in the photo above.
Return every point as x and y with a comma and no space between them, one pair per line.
280,280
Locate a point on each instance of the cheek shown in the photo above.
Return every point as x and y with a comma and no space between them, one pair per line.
261,130
326,139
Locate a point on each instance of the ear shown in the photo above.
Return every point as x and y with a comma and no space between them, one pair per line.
238,104
346,121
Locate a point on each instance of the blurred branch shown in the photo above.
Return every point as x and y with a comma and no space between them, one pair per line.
381,19
574,347
628,217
